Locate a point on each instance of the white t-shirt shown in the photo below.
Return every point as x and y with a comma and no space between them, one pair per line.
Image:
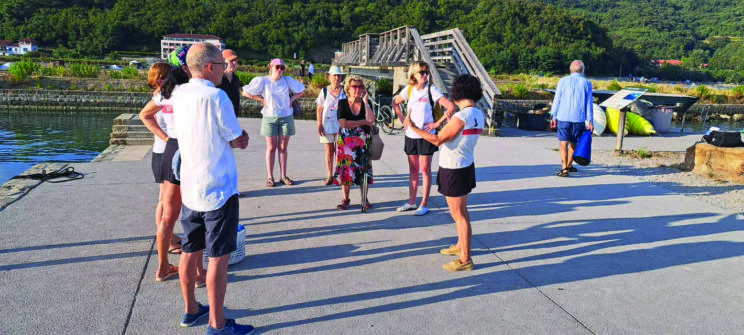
275,93
311,68
158,147
205,125
330,109
166,110
458,153
419,107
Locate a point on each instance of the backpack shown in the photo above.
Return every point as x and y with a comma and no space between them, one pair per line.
726,139
436,111
325,91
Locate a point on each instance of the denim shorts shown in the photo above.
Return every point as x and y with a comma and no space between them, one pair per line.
570,131
275,126
215,230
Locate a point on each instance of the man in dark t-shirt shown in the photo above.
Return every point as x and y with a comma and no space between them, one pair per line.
230,81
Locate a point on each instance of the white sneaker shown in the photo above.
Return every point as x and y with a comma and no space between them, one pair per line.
405,207
421,211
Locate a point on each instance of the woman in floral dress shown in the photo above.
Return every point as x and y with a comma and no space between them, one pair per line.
352,156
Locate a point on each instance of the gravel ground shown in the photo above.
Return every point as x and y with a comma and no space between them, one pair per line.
663,169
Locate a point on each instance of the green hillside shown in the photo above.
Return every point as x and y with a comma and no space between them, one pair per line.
508,35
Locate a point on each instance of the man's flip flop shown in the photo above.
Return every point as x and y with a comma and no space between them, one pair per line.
563,173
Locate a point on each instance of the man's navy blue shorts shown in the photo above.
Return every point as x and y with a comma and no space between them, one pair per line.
570,131
215,230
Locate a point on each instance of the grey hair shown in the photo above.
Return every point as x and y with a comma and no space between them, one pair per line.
577,66
201,54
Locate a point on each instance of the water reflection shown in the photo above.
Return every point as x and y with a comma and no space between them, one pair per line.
28,139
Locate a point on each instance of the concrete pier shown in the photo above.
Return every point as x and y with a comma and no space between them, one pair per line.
596,253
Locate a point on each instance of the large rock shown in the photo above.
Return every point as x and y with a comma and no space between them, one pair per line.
715,162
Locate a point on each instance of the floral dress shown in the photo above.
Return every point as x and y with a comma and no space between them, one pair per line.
352,155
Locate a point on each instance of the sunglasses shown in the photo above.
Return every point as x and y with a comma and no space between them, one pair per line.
279,67
424,73
358,87
223,64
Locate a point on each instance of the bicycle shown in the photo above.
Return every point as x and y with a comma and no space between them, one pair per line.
384,116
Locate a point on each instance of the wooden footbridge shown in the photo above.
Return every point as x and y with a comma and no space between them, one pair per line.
388,55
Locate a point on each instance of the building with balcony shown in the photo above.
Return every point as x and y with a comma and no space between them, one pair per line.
173,41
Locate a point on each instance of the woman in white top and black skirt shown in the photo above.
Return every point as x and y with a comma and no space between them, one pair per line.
420,97
456,177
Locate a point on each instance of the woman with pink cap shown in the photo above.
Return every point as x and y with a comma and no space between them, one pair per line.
277,123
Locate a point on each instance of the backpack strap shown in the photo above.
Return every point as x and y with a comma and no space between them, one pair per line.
431,100
408,97
325,92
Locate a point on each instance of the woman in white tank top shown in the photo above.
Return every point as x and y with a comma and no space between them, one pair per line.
456,176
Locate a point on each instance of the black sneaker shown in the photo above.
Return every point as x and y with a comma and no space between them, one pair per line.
189,320
231,328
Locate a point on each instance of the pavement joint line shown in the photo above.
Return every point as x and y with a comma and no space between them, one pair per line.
534,286
139,285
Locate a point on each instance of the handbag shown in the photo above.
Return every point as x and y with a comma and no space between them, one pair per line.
296,108
376,146
583,153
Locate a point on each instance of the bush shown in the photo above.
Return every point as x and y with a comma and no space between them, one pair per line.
737,92
385,87
614,86
19,71
319,81
702,92
84,70
520,91
245,77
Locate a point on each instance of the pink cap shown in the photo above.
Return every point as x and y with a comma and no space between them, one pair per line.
276,61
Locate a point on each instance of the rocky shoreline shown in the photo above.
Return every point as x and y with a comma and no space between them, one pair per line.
666,169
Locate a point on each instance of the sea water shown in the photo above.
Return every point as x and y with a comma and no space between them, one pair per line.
28,139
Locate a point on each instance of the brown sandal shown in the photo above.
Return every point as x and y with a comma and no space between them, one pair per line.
328,181
344,204
270,182
287,181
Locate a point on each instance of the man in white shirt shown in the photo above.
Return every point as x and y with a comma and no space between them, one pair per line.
207,130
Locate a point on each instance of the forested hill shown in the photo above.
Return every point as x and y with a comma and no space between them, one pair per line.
508,35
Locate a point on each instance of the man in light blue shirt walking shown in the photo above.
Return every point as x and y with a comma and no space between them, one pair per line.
572,106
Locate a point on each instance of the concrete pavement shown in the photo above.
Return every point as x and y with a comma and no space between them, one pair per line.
595,253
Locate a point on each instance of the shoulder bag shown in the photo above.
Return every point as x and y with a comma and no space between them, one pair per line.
296,108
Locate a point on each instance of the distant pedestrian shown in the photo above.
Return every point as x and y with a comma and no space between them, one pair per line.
572,106
230,81
310,71
327,110
456,176
277,123
208,130
302,69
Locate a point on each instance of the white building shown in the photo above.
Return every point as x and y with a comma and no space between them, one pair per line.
173,41
22,47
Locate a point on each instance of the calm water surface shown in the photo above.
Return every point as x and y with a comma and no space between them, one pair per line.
28,139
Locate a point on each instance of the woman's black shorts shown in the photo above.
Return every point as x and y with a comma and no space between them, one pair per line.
419,146
166,171
456,182
156,158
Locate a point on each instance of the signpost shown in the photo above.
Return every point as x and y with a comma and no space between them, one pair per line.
620,100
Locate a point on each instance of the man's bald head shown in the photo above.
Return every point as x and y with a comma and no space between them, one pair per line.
577,66
200,55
